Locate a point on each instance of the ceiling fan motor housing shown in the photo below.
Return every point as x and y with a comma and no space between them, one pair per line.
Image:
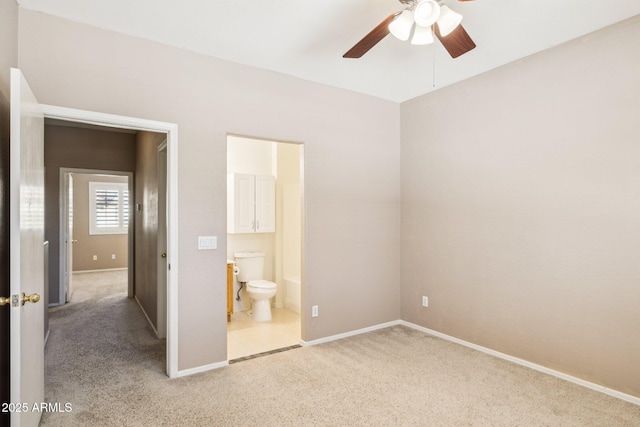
426,13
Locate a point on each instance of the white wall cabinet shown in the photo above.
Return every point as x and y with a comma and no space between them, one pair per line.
251,203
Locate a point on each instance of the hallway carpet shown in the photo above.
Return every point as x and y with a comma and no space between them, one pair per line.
103,358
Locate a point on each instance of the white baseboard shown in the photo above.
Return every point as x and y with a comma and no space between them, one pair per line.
593,386
155,331
349,334
100,270
531,365
186,372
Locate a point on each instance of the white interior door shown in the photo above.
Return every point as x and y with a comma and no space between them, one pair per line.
70,239
26,238
67,233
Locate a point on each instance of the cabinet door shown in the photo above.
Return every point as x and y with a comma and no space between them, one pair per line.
265,204
241,213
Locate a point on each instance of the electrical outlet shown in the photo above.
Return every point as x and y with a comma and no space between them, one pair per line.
425,301
314,311
113,256
95,257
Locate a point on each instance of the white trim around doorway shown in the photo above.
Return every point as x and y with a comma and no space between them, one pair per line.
171,129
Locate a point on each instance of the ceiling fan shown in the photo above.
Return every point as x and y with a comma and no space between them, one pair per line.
418,22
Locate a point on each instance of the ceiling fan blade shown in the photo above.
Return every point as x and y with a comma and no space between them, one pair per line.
371,39
457,43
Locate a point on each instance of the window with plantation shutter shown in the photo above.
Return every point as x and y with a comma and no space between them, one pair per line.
109,208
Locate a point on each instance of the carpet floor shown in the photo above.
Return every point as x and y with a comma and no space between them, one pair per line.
103,359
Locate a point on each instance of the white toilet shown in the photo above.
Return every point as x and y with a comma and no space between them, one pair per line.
250,270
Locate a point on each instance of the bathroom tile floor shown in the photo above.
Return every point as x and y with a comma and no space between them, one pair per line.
246,337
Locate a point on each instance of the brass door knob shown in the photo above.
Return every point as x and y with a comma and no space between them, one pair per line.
4,301
33,298
164,255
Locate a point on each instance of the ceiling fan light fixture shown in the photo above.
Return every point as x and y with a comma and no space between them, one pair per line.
401,26
422,35
448,20
426,13
406,25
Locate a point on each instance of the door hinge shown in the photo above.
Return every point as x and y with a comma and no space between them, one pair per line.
169,266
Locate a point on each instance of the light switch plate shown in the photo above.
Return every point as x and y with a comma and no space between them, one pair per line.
207,242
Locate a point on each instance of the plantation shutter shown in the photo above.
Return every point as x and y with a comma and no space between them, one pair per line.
109,208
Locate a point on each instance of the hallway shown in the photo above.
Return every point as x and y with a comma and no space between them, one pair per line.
100,342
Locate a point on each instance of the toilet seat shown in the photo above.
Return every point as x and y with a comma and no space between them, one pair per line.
261,284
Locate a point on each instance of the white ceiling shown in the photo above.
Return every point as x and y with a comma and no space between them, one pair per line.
306,38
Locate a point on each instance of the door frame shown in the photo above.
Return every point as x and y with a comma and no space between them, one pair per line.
171,130
64,253
161,242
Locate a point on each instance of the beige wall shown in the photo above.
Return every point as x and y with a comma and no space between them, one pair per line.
72,147
8,42
104,245
352,178
521,209
146,222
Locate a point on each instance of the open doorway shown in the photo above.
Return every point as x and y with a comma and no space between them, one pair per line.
98,222
265,222
96,231
168,132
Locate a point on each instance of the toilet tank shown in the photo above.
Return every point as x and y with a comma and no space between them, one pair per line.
250,265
